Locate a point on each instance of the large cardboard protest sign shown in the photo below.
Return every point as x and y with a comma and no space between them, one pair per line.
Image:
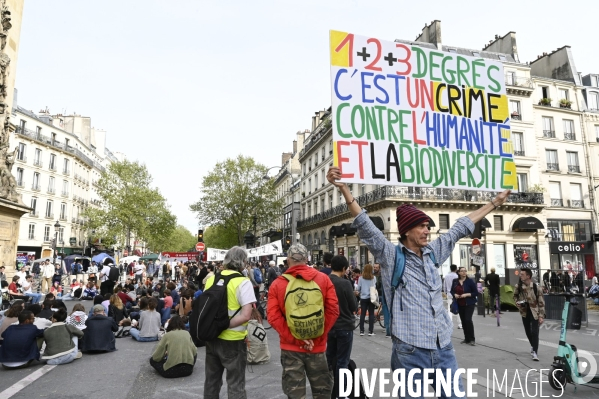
413,116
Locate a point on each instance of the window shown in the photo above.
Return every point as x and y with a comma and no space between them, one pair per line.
21,152
597,132
499,260
51,185
49,213
34,205
596,79
36,181
564,94
31,234
555,193
37,160
569,130
323,177
518,141
569,230
522,182
315,181
330,201
304,168
552,163
515,110
22,125
502,57
20,172
47,229
548,129
594,101
38,130
497,222
322,204
444,221
576,196
510,77
53,138
60,235
573,166
63,211
309,186
65,187
545,92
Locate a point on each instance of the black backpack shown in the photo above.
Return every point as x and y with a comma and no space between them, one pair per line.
210,311
113,274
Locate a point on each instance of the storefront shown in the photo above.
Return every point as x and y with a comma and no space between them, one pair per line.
526,255
573,256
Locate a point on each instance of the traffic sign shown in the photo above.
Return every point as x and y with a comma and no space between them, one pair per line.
200,247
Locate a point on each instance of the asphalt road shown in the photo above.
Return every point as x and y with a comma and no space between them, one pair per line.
126,373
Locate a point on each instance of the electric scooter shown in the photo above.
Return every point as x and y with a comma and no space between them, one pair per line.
565,367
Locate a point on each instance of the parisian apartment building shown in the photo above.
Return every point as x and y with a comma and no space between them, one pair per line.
549,224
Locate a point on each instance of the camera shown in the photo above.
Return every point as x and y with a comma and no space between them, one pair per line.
521,303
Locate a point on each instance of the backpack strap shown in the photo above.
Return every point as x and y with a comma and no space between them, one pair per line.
398,271
219,276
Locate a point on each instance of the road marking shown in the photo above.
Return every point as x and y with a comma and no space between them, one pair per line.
555,346
15,388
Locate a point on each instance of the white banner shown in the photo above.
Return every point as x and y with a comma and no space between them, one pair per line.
272,248
216,255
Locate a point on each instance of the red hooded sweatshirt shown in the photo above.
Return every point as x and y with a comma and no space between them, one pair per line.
276,308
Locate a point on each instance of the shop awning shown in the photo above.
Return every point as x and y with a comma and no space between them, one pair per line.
527,224
486,224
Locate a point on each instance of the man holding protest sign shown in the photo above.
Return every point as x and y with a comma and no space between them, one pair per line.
421,327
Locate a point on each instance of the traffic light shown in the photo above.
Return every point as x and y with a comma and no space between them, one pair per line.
287,241
200,235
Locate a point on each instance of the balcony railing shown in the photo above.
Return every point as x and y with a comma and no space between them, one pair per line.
51,190
63,218
549,134
518,81
66,172
21,184
35,187
52,167
573,169
38,163
49,216
73,220
519,153
516,116
65,193
569,136
22,158
422,193
575,203
34,214
553,166
557,202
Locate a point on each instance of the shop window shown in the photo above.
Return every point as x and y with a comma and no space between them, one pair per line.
497,222
444,221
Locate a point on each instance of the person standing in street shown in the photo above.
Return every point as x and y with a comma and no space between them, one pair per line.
301,358
326,260
47,272
465,292
421,327
530,302
492,282
447,283
366,281
341,336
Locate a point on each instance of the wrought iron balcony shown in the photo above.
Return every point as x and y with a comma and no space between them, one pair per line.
575,203
21,184
52,167
35,187
34,214
63,218
573,168
519,81
557,202
549,134
38,163
424,194
51,190
519,153
66,172
553,166
569,136
49,216
65,193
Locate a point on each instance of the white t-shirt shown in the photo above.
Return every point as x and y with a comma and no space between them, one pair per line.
245,293
105,272
26,285
139,269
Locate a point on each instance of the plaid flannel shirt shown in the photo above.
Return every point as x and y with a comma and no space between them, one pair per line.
424,317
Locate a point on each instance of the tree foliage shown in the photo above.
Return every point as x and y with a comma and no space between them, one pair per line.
180,240
233,193
129,204
220,237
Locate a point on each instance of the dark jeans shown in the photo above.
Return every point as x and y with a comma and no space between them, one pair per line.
339,344
466,319
366,305
229,355
531,328
177,371
107,287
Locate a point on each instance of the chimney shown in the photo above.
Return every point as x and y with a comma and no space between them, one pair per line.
294,146
504,45
285,157
431,34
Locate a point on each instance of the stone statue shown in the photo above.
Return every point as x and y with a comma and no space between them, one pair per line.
8,183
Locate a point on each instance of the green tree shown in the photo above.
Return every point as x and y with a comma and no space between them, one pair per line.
180,240
129,206
220,237
233,193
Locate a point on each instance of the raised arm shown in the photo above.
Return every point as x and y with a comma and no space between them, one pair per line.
334,175
495,203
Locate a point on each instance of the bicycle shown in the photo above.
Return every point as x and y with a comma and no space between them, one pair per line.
378,316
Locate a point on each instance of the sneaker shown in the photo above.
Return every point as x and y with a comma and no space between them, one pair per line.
472,343
465,342
459,327
532,351
387,336
79,355
361,333
371,334
535,357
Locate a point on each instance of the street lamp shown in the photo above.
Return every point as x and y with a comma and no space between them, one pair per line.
57,227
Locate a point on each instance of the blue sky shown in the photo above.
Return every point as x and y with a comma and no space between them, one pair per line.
181,85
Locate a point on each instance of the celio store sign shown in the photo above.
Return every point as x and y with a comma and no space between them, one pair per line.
584,247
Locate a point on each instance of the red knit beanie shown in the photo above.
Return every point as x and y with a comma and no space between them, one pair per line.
408,217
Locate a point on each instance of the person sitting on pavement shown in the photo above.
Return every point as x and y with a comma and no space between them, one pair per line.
11,316
61,340
47,311
148,328
98,299
117,310
421,328
78,317
39,322
125,299
19,346
184,307
99,331
168,305
56,289
27,287
143,305
13,289
176,353
90,291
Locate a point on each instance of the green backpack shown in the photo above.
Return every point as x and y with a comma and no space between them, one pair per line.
304,308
